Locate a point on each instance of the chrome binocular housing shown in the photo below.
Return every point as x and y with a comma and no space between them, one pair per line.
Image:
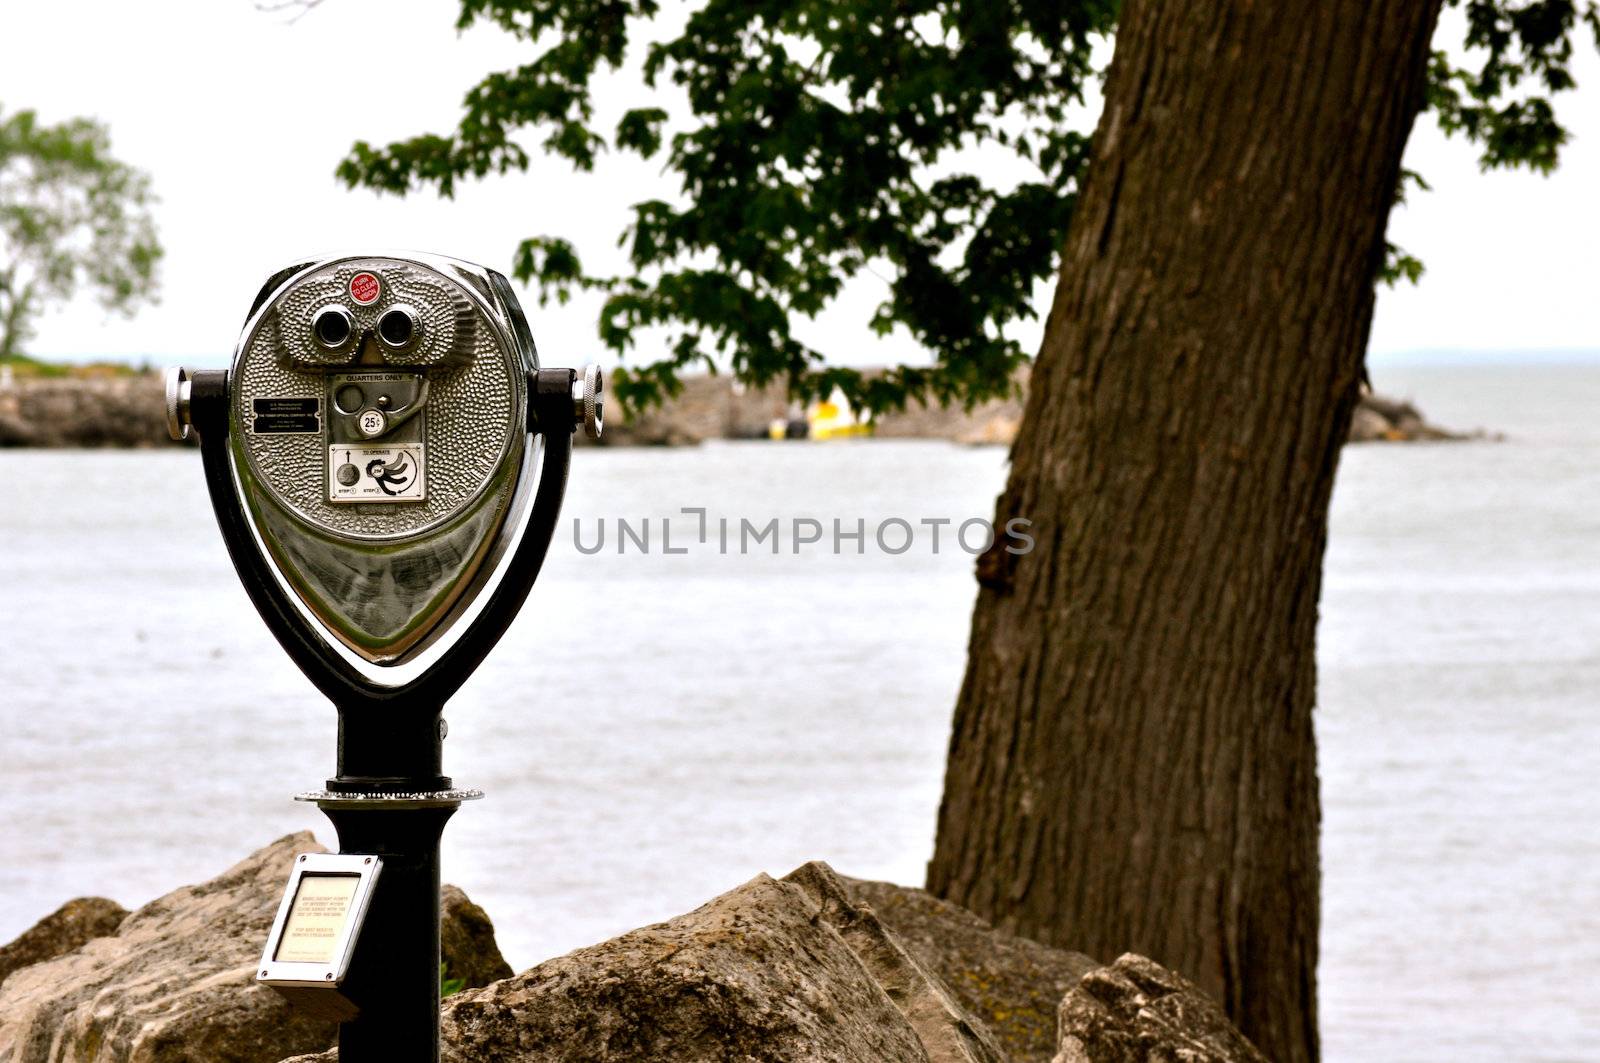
383,418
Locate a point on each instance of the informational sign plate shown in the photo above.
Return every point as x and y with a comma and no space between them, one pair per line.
317,915
319,920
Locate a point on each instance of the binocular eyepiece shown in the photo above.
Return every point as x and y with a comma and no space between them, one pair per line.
333,328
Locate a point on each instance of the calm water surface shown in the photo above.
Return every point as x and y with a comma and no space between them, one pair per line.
656,729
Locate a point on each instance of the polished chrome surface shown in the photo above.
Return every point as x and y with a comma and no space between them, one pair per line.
588,400
343,323
404,317
177,381
475,375
420,799
440,426
386,602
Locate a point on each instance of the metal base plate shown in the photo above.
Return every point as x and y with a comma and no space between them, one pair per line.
426,799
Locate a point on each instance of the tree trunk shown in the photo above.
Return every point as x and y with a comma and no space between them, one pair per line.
1133,765
14,319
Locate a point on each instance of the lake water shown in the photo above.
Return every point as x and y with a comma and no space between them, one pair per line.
656,729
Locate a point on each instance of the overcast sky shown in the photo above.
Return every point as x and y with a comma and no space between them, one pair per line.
240,118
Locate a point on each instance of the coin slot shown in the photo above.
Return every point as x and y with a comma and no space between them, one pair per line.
349,398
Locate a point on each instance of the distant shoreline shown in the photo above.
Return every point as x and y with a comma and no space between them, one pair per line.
127,410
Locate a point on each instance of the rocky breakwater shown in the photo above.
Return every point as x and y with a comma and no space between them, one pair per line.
129,411
714,407
717,407
121,411
810,968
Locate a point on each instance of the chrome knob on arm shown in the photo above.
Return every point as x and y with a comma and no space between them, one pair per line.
178,389
589,401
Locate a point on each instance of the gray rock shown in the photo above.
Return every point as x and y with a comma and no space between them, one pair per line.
821,968
754,974
948,1034
1367,425
765,972
17,432
790,970
176,982
1394,411
1012,985
1379,419
466,941
61,932
1136,1011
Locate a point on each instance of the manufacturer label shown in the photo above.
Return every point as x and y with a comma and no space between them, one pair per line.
287,416
376,474
365,289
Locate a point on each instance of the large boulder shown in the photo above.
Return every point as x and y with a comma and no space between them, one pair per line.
466,941
176,983
757,973
62,931
818,967
947,1032
1136,1011
789,970
1012,985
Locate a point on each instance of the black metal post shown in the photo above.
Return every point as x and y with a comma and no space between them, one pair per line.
394,974
395,748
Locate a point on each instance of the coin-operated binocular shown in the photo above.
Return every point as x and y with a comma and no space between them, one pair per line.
370,456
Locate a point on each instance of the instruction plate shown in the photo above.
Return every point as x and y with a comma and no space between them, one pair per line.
362,473
319,920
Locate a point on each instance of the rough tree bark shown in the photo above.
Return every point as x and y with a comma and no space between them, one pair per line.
1133,764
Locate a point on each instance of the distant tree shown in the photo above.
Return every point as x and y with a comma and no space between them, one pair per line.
1133,763
71,216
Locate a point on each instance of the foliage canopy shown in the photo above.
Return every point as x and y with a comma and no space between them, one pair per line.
818,139
70,215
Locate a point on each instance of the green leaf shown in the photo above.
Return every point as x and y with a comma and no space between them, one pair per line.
449,986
